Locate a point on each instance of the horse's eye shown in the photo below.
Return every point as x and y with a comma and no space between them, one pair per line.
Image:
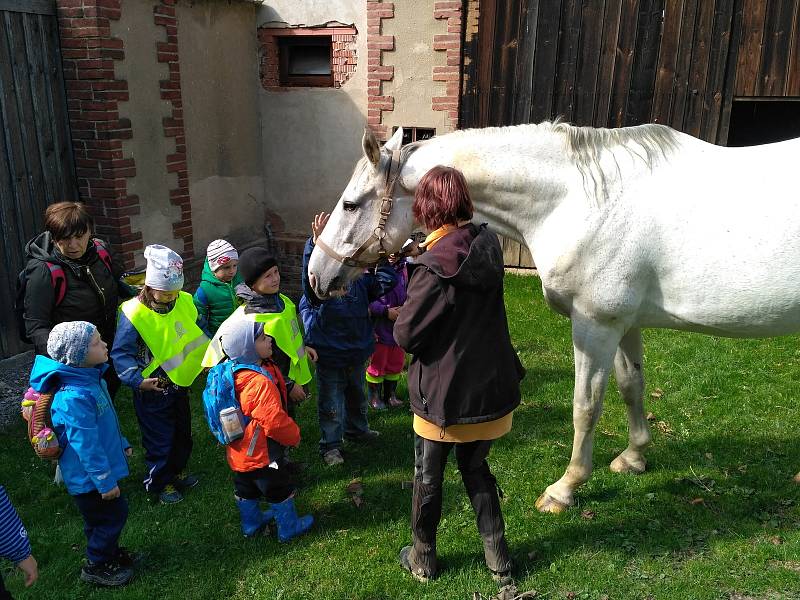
349,206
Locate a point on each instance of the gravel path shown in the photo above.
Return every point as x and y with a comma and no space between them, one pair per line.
14,374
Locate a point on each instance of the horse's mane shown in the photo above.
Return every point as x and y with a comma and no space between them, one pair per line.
586,145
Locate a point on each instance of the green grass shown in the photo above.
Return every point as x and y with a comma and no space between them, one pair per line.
715,515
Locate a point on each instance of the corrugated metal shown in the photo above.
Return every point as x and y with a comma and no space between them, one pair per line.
36,166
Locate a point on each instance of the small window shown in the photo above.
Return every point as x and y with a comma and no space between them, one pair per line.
416,134
305,60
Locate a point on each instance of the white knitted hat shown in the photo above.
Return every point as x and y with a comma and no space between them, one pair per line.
219,253
164,268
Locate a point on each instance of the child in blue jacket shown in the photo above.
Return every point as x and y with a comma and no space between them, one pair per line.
14,544
94,457
340,330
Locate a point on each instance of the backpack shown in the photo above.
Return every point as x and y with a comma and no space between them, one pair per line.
220,395
36,411
58,280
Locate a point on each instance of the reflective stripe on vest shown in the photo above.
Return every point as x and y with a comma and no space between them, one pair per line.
174,339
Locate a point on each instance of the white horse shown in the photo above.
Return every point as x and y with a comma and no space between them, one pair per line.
629,228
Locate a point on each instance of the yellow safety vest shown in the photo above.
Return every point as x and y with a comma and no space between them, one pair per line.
282,326
174,339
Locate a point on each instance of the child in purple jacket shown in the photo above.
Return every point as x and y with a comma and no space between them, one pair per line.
386,362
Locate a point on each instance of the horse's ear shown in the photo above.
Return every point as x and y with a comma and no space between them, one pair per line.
369,143
396,141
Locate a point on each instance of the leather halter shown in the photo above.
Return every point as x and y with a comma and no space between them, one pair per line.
379,233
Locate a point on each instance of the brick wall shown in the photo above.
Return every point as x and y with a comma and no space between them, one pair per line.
377,72
450,74
93,95
167,52
343,53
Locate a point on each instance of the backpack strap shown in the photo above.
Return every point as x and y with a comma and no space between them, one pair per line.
103,254
58,280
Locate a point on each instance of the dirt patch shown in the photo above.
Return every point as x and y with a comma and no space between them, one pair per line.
14,374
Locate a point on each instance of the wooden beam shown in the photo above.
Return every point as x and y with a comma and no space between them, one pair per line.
36,7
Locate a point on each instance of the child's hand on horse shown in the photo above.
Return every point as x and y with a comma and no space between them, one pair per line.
320,220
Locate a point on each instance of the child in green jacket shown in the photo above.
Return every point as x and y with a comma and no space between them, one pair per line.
216,297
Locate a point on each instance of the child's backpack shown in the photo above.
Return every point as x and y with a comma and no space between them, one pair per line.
36,410
223,411
58,280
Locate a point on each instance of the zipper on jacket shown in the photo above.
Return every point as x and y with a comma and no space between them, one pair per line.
96,287
421,393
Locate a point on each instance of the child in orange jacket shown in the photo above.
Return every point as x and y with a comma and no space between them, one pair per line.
256,458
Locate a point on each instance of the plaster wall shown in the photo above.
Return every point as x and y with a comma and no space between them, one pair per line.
148,146
413,28
218,50
311,137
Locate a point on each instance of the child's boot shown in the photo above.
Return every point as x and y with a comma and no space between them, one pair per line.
253,519
289,524
375,400
390,393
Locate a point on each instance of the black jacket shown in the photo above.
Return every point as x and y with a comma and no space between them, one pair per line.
464,369
92,294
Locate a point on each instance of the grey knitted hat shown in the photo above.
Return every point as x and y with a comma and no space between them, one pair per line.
69,342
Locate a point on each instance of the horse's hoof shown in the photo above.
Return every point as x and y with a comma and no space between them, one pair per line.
547,504
797,478
623,464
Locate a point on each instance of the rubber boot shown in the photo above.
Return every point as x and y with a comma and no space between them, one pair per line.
253,519
481,488
426,512
375,400
289,524
389,394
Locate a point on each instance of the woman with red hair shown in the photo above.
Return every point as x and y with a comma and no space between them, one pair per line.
464,377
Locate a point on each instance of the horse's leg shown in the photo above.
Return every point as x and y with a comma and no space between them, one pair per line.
594,345
630,380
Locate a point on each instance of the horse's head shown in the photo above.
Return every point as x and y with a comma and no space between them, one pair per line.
373,217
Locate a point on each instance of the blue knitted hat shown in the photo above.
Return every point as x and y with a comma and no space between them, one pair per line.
69,342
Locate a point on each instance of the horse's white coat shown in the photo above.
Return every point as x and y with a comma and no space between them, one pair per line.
631,228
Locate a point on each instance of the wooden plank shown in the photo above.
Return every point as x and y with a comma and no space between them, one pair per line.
698,72
730,73
51,125
680,88
749,57
508,61
569,40
39,7
588,64
775,57
608,53
511,251
44,142
525,258
486,42
793,64
623,63
525,58
58,104
717,62
667,58
499,60
28,144
468,104
544,66
648,38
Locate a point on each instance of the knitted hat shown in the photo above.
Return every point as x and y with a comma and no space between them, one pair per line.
68,342
238,340
164,269
220,253
254,262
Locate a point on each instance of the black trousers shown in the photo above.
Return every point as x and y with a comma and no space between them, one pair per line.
430,458
275,485
103,521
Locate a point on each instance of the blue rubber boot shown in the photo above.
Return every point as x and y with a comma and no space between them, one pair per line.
253,520
289,524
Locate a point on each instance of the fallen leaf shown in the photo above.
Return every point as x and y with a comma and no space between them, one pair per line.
657,393
651,417
571,595
356,490
709,456
533,555
696,501
588,514
797,478
665,428
776,540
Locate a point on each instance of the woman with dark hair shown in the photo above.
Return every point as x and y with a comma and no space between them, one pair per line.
464,376
71,276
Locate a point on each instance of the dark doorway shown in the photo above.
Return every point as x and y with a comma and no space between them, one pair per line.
764,121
